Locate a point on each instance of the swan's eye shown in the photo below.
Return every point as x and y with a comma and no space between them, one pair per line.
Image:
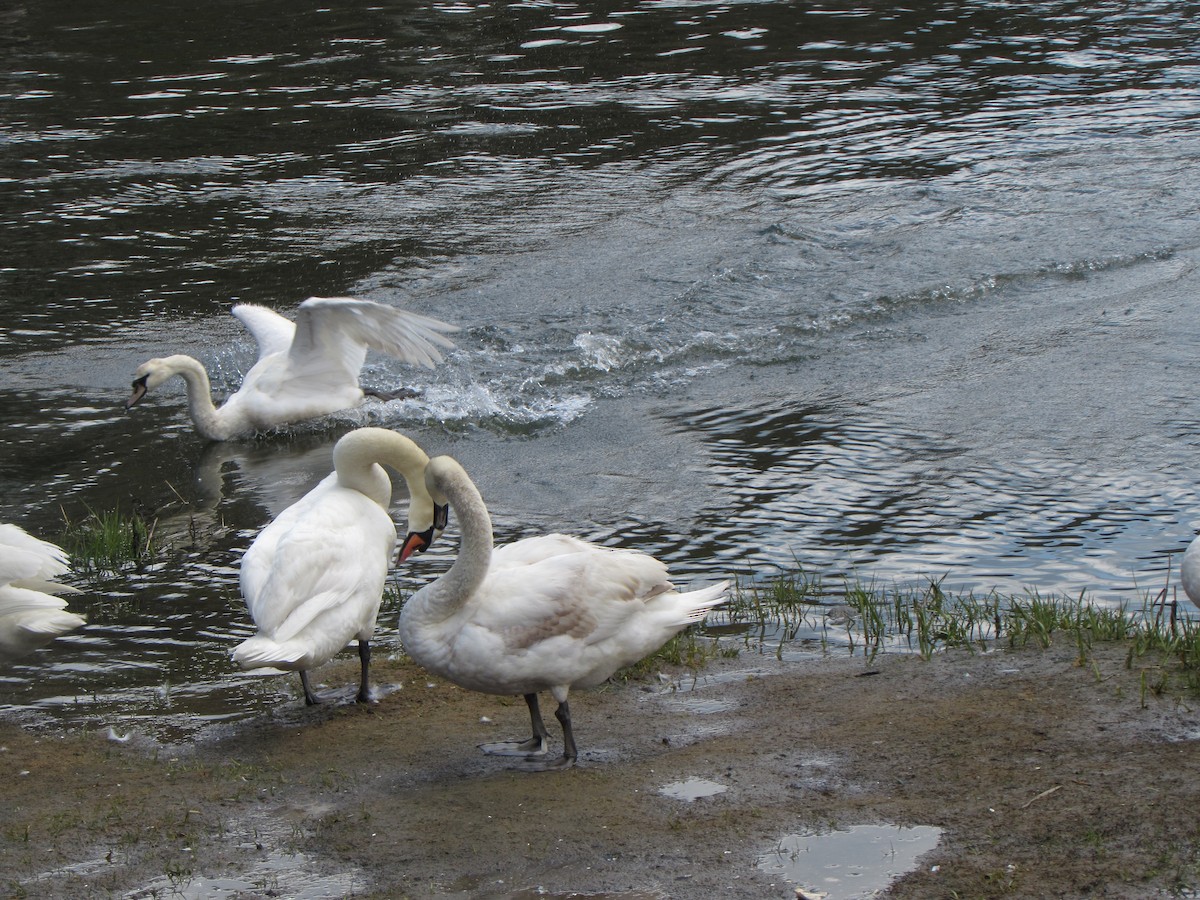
441,516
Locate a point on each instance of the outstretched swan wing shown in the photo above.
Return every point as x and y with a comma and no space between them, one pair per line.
271,331
336,330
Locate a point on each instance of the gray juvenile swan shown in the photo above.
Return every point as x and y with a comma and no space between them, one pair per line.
305,369
545,613
29,616
313,578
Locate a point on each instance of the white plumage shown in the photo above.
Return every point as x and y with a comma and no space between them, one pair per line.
542,614
29,616
305,369
1189,571
314,577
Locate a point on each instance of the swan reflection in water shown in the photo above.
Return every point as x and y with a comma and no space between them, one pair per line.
274,474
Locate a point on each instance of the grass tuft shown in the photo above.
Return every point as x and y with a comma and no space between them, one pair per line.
106,544
869,618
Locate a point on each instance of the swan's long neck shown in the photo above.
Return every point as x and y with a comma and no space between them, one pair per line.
357,458
446,479
199,393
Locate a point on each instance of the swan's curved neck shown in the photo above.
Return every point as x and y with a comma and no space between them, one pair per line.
446,479
199,393
357,458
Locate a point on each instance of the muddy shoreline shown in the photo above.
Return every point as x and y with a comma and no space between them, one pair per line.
1047,777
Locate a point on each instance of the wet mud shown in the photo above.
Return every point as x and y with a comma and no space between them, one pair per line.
1038,773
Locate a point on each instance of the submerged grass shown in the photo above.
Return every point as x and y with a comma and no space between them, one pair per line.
106,544
869,618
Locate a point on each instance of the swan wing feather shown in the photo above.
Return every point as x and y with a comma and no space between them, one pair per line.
332,545
24,600
272,332
30,619
587,594
334,332
534,549
51,623
25,558
303,615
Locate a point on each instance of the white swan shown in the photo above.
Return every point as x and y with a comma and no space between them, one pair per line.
305,369
313,578
542,614
29,616
1189,571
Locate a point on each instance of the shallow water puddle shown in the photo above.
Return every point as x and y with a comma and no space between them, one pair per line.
692,789
851,864
539,894
279,876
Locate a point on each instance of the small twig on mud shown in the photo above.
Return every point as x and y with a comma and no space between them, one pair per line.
1045,793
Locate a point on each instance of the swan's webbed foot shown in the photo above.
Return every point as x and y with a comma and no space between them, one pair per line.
534,747
531,748
533,764
531,761
402,394
310,699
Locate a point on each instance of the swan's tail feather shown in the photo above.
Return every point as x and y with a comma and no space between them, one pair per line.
695,605
263,653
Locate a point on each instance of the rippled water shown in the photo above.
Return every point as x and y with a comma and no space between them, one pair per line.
901,293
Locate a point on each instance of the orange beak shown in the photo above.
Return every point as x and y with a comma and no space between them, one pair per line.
414,543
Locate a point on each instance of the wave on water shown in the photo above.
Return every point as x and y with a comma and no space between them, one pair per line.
517,389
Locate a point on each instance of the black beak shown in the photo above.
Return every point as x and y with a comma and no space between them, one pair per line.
139,391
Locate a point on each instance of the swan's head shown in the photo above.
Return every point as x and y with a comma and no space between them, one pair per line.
357,457
431,506
426,522
149,375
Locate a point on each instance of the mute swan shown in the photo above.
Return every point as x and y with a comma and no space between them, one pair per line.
305,369
29,616
543,613
313,578
1189,571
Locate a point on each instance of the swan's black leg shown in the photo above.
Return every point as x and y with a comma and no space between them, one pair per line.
310,699
402,394
364,685
537,743
570,754
532,747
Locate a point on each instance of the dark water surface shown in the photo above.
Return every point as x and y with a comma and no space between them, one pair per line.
896,293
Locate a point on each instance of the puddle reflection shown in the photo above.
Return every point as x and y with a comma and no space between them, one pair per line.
851,864
692,789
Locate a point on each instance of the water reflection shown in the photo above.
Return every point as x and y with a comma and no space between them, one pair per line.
855,863
272,474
